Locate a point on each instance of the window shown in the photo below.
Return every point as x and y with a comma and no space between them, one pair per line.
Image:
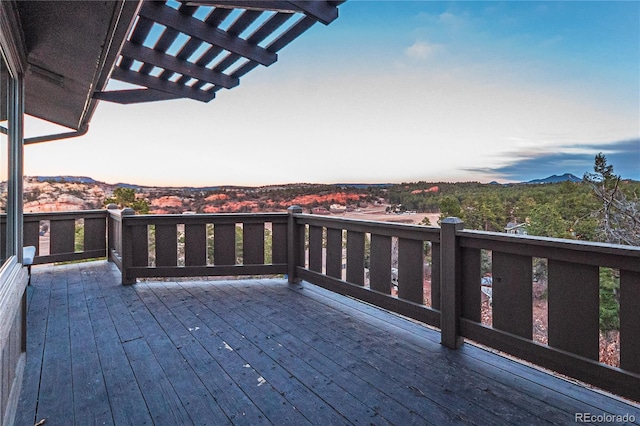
4,160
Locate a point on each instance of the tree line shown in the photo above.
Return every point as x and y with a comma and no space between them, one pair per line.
602,207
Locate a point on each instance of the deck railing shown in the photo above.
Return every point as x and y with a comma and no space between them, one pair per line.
64,236
360,258
198,245
573,303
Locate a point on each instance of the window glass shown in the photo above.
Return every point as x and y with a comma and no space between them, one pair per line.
4,158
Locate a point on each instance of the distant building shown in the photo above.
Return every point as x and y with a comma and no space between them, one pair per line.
516,228
320,210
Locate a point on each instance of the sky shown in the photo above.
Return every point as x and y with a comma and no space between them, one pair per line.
393,91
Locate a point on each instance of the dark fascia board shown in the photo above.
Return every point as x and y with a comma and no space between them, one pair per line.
12,38
121,24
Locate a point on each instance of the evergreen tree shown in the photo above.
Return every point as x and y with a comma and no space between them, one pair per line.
619,217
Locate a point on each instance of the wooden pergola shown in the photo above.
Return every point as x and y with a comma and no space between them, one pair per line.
223,55
163,50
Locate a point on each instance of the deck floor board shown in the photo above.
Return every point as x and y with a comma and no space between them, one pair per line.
259,351
382,361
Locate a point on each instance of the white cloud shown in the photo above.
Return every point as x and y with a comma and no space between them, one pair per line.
451,20
421,49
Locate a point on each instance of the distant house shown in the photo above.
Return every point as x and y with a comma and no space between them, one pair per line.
516,228
337,208
320,210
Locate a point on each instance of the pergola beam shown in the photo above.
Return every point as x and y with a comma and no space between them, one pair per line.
321,11
134,96
168,86
168,62
171,18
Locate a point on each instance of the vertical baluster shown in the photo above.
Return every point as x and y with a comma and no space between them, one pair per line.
435,275
380,270
410,270
140,245
574,308
279,243
334,253
224,244
3,237
95,233
471,300
31,234
195,244
62,236
315,248
630,321
355,257
512,294
166,245
253,243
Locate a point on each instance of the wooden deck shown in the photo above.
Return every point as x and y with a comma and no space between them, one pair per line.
262,352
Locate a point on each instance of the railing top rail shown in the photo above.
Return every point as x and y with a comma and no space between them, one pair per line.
426,233
585,252
151,219
29,217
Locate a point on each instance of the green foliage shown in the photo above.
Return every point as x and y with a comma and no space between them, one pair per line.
609,305
268,247
486,262
450,207
491,207
367,251
126,197
239,245
546,221
79,238
618,213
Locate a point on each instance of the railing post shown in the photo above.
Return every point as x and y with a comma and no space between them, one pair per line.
450,286
111,232
126,243
293,244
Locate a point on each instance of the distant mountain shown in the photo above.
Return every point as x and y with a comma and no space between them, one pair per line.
68,179
556,178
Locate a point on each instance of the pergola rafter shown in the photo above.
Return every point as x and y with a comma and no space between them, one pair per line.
226,54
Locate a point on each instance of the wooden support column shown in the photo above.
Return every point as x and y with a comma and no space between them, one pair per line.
112,233
127,242
450,275
293,244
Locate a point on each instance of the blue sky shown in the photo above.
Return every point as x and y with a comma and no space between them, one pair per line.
394,91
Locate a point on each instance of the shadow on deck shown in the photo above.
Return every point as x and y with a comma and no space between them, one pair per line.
262,352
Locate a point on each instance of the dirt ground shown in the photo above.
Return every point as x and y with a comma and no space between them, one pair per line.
379,214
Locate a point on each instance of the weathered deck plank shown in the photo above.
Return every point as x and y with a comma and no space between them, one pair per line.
261,352
385,364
